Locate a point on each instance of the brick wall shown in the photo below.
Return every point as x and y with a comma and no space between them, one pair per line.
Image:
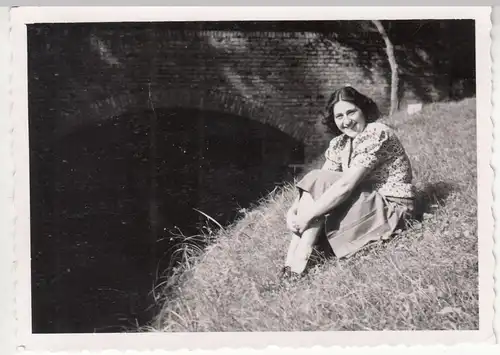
84,75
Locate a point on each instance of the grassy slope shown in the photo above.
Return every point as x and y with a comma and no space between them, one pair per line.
425,278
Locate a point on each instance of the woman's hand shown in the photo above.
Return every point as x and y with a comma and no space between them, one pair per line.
297,223
301,222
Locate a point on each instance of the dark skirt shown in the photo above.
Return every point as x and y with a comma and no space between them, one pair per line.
366,216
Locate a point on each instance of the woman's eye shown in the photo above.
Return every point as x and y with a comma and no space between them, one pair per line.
350,113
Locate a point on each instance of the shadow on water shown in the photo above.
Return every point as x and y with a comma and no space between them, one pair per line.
106,197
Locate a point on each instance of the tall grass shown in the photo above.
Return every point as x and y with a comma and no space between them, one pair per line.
426,278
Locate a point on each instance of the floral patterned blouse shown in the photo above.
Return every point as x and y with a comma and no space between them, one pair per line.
378,149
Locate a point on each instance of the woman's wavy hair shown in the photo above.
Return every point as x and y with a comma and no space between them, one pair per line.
348,93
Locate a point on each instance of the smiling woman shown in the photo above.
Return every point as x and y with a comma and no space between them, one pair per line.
349,118
362,193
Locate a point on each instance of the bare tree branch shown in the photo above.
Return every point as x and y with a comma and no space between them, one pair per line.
389,48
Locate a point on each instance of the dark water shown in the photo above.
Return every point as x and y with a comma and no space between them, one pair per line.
106,197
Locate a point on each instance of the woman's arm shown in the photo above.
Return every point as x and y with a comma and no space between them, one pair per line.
373,147
339,191
334,195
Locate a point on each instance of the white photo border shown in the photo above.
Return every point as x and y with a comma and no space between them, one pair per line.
255,340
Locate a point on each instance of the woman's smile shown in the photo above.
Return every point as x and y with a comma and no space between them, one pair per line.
351,128
348,124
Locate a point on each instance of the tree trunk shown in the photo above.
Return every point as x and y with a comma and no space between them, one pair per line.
389,48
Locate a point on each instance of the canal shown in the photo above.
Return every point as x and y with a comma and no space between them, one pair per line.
106,199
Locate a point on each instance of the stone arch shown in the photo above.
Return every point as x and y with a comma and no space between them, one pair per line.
150,98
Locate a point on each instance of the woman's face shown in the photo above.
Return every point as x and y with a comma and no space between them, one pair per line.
349,118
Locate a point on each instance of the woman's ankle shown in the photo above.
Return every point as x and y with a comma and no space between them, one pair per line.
298,268
285,272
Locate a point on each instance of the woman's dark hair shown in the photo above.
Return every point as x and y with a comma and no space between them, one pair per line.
348,93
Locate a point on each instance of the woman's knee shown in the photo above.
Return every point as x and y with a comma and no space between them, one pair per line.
306,201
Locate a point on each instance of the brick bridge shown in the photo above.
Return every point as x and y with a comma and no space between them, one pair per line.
281,78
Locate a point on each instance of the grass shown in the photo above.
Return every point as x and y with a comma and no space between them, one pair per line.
425,278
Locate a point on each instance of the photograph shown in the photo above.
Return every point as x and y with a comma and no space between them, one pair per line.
267,175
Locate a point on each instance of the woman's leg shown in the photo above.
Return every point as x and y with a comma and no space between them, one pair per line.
291,249
305,244
305,247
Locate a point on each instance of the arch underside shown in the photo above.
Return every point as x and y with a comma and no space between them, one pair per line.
154,98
